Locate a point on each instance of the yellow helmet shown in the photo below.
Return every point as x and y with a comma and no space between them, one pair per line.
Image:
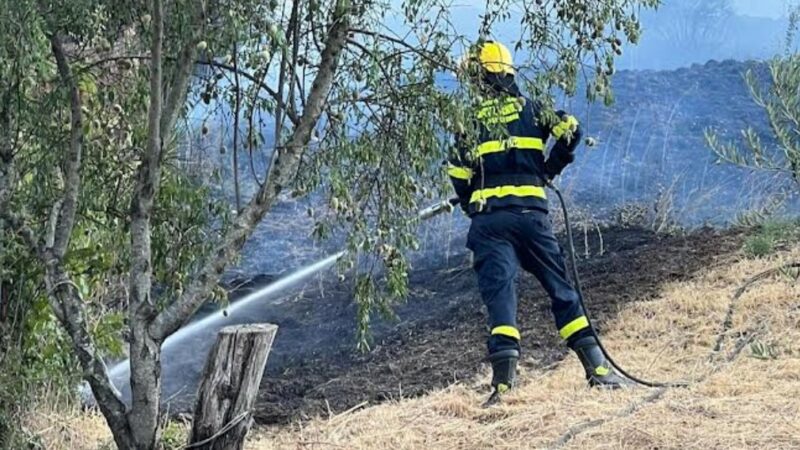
495,58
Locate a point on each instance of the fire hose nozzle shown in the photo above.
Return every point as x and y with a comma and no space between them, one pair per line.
439,208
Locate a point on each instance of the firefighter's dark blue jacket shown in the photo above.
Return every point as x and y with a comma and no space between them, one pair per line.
504,165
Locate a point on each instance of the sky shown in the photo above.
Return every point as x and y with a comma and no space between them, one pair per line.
762,8
756,8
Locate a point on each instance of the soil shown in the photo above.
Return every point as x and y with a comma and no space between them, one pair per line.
439,336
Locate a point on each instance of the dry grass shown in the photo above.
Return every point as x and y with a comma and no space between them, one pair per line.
64,427
736,400
746,399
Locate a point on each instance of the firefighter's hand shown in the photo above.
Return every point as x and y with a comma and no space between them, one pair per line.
559,158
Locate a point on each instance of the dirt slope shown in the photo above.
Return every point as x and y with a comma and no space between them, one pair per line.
746,395
440,339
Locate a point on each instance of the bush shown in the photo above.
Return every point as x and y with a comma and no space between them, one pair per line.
174,435
770,236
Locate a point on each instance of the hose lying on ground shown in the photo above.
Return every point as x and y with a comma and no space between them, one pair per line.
577,281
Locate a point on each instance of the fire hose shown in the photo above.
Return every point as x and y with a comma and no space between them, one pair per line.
577,282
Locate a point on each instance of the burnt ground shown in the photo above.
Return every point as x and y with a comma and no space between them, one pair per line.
438,338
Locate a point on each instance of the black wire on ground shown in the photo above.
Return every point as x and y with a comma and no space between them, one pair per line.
577,281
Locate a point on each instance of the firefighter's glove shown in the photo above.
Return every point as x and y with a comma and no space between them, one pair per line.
560,157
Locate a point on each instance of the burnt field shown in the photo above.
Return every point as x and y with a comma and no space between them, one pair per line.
438,337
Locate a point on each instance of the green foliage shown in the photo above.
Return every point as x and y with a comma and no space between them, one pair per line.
769,236
762,213
188,222
781,102
759,245
33,345
571,39
173,436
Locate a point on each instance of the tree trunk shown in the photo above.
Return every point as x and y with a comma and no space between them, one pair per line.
222,415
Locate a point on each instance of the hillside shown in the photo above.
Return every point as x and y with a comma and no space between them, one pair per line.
652,142
650,145
744,395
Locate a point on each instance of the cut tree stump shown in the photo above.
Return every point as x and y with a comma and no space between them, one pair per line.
223,412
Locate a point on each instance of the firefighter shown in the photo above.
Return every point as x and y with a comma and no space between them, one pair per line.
499,173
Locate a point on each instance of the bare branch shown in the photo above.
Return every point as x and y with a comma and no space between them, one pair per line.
294,27
237,111
144,350
292,115
148,171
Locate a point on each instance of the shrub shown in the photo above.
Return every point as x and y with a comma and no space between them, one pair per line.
770,236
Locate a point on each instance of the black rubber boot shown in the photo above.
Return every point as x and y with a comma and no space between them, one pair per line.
504,373
598,370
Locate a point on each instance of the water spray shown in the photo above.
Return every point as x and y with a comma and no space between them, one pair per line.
292,279
118,372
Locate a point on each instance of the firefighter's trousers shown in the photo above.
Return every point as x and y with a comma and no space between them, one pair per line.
501,241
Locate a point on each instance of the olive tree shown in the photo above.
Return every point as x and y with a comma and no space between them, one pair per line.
359,118
779,96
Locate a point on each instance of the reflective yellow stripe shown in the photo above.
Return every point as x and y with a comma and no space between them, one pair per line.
460,173
602,371
573,327
520,143
506,330
504,191
568,123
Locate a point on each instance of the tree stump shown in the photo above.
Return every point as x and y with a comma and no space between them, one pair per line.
223,412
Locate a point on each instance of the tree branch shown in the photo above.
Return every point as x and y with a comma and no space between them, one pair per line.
260,83
72,162
183,71
279,175
62,295
148,173
237,111
216,64
68,307
425,55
